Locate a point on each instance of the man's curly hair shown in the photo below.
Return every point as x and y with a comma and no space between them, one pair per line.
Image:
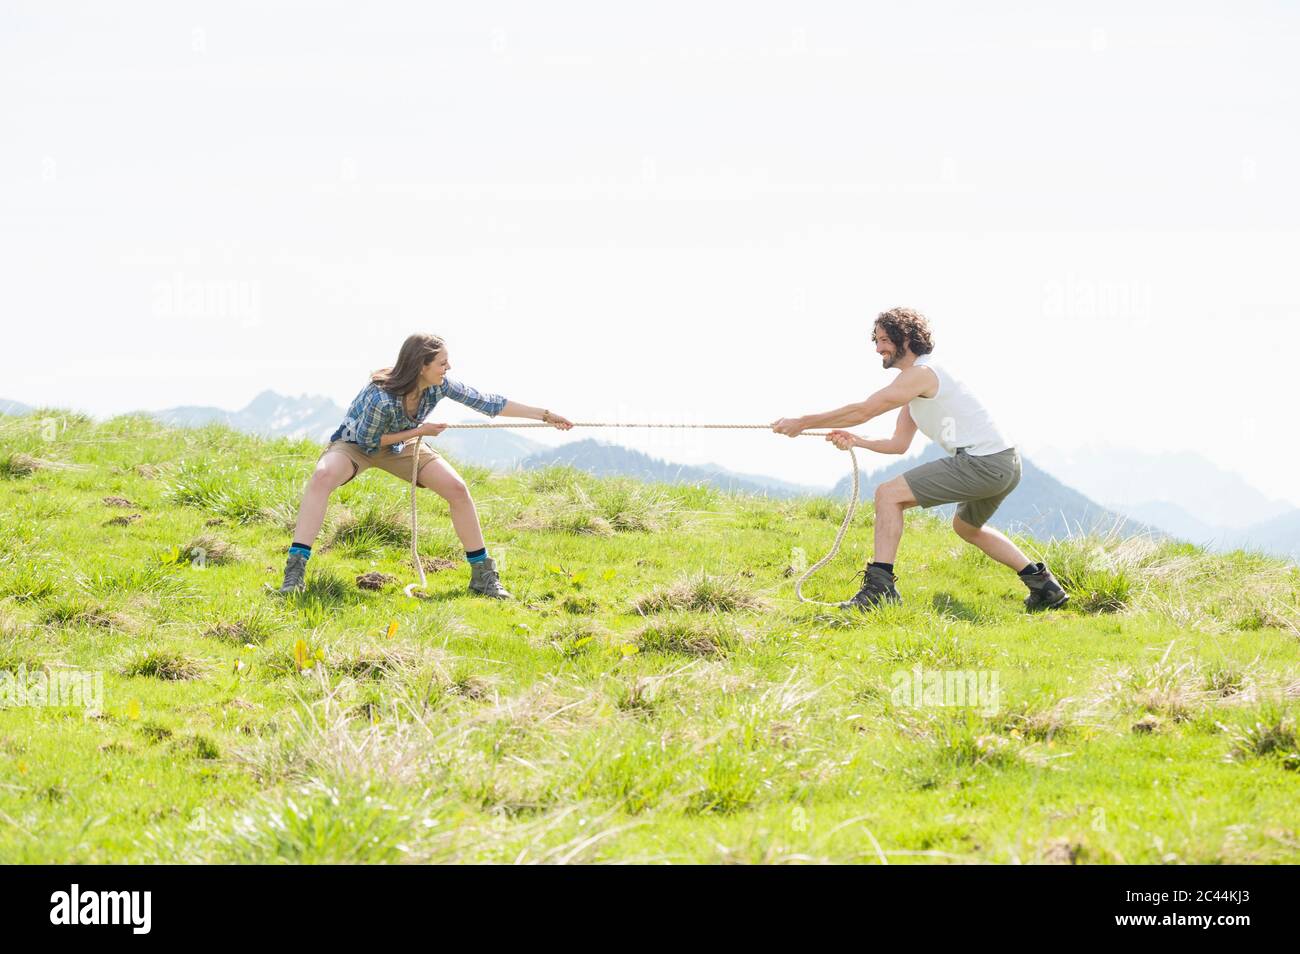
907,326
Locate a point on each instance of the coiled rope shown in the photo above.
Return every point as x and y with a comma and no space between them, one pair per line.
798,586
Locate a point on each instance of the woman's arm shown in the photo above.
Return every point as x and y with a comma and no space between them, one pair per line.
424,430
515,409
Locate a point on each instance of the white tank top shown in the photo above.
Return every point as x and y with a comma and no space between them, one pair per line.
954,417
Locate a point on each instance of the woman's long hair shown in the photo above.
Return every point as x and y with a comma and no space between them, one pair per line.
417,351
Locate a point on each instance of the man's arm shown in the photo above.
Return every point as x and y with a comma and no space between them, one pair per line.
904,431
909,384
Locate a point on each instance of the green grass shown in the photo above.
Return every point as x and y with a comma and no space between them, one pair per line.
655,693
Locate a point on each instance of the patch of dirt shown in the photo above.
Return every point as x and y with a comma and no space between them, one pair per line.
374,581
1062,851
438,564
117,502
215,522
1147,724
123,521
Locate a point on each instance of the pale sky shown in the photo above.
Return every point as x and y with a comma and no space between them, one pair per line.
676,212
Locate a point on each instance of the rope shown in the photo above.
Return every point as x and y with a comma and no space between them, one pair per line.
415,531
798,585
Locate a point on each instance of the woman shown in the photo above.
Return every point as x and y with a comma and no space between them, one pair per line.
382,429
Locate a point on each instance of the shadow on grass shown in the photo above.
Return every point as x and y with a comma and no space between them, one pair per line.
945,604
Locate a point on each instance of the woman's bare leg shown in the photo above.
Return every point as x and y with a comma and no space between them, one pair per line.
440,477
332,471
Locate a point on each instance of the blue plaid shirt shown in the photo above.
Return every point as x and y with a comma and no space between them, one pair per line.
374,412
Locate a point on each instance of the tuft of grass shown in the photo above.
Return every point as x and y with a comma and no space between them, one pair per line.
374,662
1037,723
824,508
325,586
253,627
224,492
468,684
11,624
1102,572
322,823
576,637
555,479
76,610
684,635
364,544
17,465
150,579
1272,736
700,591
283,515
26,581
1174,690
640,695
373,529
614,506
166,664
963,741
210,550
196,746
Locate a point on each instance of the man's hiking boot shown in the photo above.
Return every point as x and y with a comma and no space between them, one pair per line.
877,588
484,581
295,574
1044,591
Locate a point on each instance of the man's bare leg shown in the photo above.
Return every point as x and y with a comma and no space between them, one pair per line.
892,498
992,542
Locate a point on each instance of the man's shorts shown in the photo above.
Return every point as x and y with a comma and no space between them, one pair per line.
399,465
978,483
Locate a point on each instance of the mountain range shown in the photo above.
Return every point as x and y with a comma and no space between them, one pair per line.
269,414
1180,493
1061,493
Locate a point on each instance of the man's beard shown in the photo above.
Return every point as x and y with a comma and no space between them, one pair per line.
890,359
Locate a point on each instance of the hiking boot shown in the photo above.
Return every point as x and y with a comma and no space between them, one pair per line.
877,588
295,573
484,581
1044,591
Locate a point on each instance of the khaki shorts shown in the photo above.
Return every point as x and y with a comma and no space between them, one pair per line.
978,483
399,465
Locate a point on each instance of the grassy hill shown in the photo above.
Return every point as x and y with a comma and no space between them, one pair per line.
655,694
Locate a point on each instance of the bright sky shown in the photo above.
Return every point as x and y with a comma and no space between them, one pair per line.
681,212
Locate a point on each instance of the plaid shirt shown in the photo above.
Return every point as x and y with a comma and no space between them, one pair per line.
374,412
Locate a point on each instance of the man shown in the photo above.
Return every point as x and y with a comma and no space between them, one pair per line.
982,469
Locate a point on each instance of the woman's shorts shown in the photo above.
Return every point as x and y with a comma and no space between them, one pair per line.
399,465
979,483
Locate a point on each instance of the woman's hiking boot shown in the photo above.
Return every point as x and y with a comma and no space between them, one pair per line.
484,581
295,574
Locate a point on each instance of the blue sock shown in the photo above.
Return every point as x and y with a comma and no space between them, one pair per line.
476,556
300,549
